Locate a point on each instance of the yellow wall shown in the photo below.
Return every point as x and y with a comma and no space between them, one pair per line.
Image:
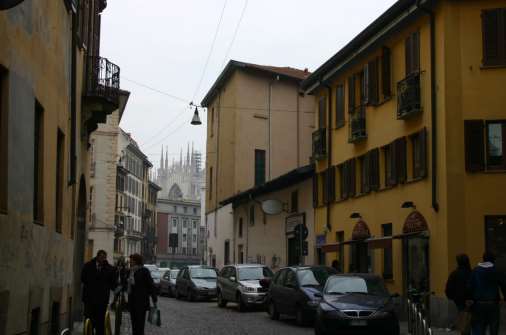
464,91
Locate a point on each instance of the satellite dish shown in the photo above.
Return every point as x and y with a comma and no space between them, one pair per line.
272,207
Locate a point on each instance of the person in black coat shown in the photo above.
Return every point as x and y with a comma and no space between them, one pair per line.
457,286
98,279
140,288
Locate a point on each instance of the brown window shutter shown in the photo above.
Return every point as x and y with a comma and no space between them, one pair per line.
342,179
408,54
392,181
365,84
325,186
322,106
474,145
332,184
401,156
351,94
367,174
386,73
340,106
315,190
415,40
373,93
423,153
353,178
491,40
374,169
96,31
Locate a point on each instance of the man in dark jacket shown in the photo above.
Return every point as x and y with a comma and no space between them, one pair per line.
457,286
98,279
140,289
486,282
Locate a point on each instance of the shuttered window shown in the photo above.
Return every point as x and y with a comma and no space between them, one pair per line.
395,158
496,144
419,146
259,167
322,108
332,183
475,145
374,170
390,165
351,94
373,82
325,187
364,174
4,158
386,73
348,179
97,19
60,169
38,165
494,36
412,53
340,106
401,159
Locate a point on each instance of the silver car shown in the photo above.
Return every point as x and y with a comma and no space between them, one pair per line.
168,282
241,284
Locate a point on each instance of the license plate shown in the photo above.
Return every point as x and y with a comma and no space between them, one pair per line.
358,323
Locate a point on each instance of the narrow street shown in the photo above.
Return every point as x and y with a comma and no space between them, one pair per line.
204,317
196,318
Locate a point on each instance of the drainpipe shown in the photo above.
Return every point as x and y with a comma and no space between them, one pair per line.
298,130
433,101
73,101
329,147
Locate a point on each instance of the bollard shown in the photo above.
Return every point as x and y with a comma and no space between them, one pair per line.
88,327
107,324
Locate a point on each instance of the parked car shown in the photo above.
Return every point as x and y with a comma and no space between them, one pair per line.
356,303
241,284
292,292
168,282
196,282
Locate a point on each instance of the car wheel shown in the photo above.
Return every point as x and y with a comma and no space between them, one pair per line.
221,302
272,311
300,318
241,304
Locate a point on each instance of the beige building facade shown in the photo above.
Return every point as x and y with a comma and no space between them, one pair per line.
259,128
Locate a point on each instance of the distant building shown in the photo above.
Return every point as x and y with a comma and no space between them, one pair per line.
179,232
132,219
182,179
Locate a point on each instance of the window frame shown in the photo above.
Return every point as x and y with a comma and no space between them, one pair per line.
4,139
38,164
60,180
340,93
260,164
499,60
502,166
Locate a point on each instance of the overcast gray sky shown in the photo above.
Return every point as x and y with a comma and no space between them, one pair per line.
164,44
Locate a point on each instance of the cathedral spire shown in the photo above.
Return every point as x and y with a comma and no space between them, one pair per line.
167,158
188,154
181,157
161,159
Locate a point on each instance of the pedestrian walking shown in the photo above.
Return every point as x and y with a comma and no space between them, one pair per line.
336,265
457,290
140,288
485,286
98,279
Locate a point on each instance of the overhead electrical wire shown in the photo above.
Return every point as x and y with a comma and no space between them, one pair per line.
235,33
156,90
210,50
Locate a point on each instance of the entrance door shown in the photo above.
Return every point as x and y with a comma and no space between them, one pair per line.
359,258
495,239
293,251
416,264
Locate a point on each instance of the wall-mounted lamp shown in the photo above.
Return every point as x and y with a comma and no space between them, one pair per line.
408,204
355,215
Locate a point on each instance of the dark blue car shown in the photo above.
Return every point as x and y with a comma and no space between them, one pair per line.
292,292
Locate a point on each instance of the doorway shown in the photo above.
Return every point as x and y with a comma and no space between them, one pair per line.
495,239
416,264
359,262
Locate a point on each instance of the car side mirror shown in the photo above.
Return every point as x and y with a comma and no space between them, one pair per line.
318,295
232,278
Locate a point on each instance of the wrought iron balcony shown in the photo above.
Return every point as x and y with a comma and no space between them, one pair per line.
102,82
408,96
357,124
320,144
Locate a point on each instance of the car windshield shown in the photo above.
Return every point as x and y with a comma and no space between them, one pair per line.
254,273
173,274
203,273
314,276
357,285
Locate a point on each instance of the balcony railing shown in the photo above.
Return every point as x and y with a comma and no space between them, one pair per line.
102,80
320,144
408,96
357,124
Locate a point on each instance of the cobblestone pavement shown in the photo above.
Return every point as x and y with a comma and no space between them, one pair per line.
205,318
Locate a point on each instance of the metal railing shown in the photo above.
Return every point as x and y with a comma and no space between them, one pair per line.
357,124
102,79
418,323
409,96
320,143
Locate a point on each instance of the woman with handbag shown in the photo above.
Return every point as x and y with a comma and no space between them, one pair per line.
457,290
140,288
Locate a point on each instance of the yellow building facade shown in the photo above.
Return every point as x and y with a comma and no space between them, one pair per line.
410,161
